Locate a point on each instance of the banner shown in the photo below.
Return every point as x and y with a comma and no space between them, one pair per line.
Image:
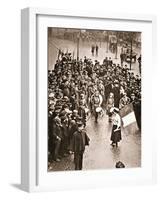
127,114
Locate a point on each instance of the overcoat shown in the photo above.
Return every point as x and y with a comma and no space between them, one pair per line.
80,140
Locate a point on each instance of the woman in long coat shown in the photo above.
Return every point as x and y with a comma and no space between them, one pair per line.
116,129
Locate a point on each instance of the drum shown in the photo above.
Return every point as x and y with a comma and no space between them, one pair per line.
98,109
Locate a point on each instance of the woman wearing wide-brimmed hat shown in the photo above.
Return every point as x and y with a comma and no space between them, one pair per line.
116,129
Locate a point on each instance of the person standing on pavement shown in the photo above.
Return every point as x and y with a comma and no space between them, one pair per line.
80,140
116,128
92,50
139,61
96,50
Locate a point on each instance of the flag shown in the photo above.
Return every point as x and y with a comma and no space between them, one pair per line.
127,114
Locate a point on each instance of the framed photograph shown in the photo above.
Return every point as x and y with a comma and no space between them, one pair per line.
87,115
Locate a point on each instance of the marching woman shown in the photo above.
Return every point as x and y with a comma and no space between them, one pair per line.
116,129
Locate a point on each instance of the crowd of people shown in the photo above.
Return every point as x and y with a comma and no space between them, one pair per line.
79,88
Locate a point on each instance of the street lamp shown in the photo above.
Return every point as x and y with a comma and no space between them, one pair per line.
107,41
131,43
116,45
78,39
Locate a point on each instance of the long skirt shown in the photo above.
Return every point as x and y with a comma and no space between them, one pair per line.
115,136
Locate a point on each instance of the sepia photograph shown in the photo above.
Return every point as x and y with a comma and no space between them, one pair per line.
94,99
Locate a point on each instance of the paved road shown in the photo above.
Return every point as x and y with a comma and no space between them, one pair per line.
100,154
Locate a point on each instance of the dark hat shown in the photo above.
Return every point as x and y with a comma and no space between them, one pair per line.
119,164
59,101
63,118
58,107
80,124
65,106
58,104
63,113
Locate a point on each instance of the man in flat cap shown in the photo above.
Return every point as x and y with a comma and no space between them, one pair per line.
80,140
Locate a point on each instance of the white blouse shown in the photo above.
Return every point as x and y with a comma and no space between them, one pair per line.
117,120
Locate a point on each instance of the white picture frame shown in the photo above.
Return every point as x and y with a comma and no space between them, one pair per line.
31,173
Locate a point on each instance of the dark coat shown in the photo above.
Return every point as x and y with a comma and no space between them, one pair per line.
80,140
116,92
65,130
57,131
115,135
82,114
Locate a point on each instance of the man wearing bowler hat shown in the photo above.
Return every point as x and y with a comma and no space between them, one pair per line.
80,140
